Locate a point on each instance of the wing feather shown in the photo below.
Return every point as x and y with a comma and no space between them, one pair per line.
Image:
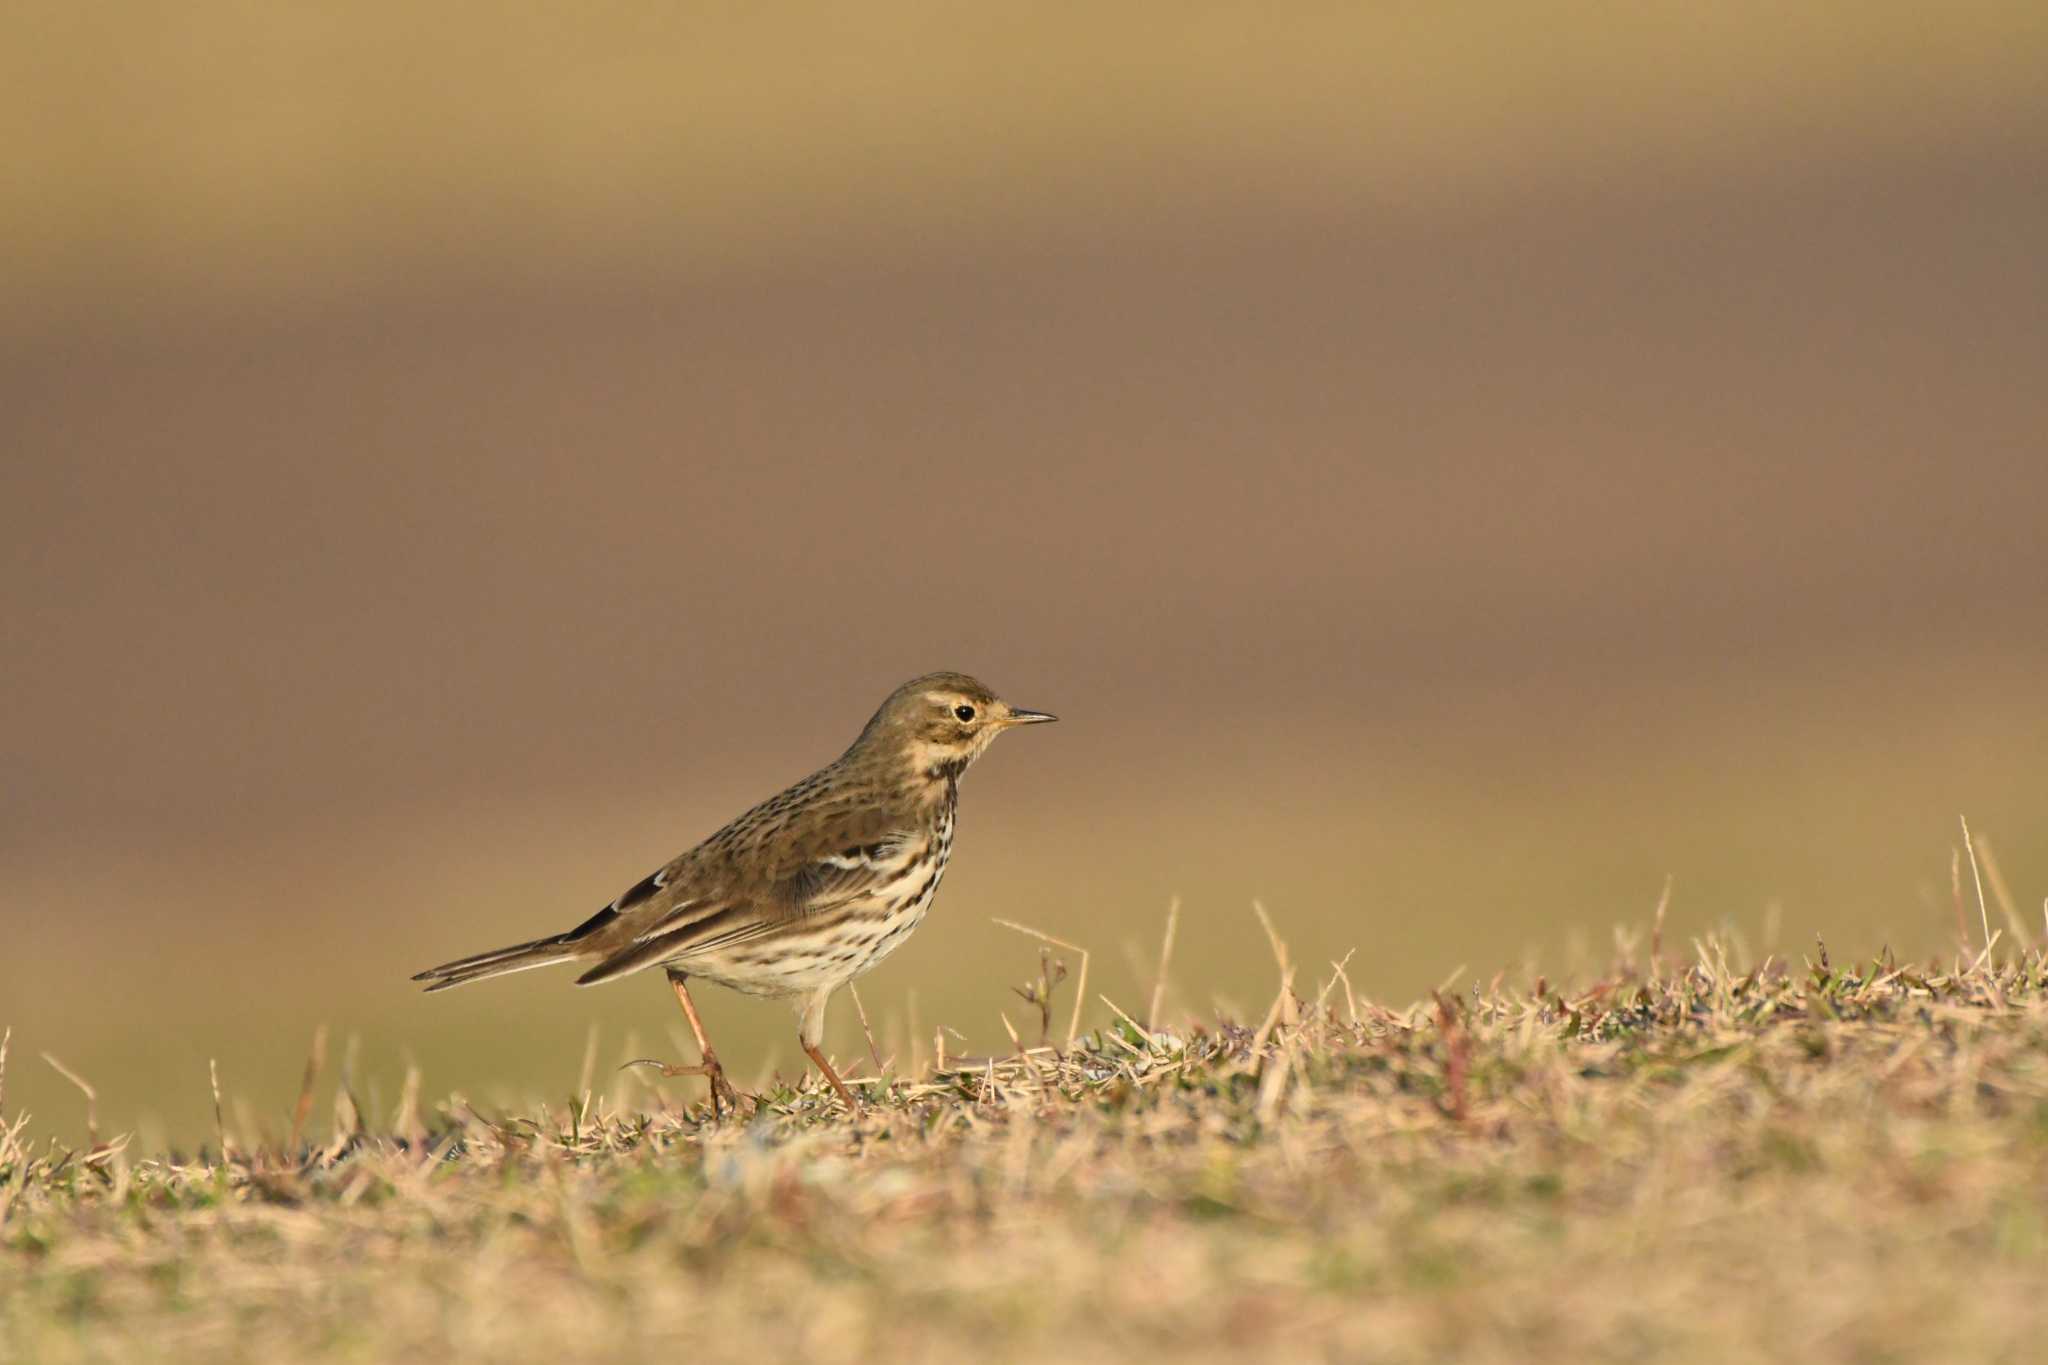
824,882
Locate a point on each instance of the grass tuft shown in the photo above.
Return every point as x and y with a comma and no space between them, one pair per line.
1722,1160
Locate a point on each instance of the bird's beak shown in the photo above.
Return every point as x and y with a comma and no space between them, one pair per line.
1020,717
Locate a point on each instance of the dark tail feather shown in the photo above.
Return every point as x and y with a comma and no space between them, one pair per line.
518,958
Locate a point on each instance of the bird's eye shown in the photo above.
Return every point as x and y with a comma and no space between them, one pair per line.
964,712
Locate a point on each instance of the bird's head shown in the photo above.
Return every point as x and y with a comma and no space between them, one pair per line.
942,722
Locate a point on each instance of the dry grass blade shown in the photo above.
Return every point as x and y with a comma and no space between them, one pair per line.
316,1061
868,1033
1165,960
220,1127
1657,929
1023,1054
1276,1017
1144,1034
1284,1005
1955,896
1977,876
92,1099
1321,1010
2002,893
1350,999
407,1124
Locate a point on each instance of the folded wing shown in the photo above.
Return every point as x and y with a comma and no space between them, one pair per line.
741,910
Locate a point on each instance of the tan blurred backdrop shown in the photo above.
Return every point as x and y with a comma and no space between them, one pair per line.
1449,466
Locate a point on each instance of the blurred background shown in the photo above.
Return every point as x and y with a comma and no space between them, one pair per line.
1450,467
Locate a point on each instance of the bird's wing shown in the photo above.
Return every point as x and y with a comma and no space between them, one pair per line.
820,881
643,900
729,896
824,880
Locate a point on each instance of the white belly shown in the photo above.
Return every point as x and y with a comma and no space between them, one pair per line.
828,950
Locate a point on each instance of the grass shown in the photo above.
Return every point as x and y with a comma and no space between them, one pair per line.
1702,1160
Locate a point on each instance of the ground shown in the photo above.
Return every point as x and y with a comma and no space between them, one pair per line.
1685,1161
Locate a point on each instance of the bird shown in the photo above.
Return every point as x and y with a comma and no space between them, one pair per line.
804,892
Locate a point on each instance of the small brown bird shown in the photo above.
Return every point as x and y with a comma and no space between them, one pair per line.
805,891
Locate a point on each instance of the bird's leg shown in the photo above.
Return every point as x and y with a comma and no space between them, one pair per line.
721,1089
832,1076
810,1031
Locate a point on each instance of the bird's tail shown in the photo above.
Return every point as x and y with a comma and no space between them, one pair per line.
541,952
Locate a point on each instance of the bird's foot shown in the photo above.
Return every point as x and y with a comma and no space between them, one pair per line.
723,1096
